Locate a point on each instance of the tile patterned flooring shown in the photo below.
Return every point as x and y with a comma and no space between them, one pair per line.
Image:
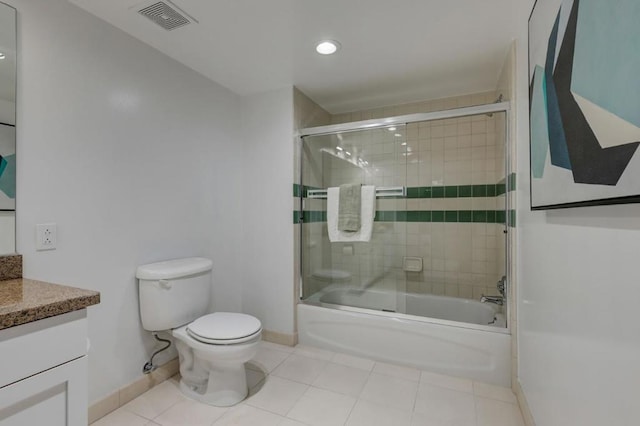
310,386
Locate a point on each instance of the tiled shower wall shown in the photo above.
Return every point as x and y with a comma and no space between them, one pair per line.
454,170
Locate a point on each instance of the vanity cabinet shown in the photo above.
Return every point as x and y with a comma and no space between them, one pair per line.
43,372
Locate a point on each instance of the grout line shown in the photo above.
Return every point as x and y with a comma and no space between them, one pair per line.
475,409
296,403
352,408
415,400
159,414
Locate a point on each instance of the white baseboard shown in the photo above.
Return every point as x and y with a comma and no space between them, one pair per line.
524,406
134,389
280,338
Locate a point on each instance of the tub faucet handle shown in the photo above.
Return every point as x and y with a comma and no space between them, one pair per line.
498,300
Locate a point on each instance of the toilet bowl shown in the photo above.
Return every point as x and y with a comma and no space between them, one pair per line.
174,297
322,278
212,351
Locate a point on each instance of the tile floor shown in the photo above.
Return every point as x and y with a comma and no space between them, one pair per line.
310,386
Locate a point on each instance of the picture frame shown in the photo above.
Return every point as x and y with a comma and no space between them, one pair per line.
584,105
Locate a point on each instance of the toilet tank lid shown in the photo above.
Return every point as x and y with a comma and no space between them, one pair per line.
176,268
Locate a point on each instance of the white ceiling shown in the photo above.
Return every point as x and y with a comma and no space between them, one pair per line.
393,51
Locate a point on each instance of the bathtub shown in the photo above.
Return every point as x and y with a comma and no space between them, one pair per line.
424,305
446,335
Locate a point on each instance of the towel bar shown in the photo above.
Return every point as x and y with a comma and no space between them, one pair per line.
383,191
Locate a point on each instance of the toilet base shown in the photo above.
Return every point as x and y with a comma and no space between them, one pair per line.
226,394
214,374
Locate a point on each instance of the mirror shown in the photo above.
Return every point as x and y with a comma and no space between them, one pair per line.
7,129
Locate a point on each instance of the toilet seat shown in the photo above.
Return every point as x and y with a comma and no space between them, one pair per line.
224,328
331,275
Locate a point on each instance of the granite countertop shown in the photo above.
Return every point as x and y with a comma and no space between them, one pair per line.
23,300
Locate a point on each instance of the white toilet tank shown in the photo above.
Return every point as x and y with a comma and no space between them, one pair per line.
174,293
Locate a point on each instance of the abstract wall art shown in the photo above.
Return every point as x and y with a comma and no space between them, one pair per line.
7,167
584,102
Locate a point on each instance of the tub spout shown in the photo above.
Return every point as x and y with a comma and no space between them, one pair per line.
498,300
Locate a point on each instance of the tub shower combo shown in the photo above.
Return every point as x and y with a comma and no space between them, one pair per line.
429,287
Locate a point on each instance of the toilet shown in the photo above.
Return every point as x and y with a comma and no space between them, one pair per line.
174,297
322,278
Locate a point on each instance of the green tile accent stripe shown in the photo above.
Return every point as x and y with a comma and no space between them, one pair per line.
454,191
465,191
465,216
451,216
480,216
302,189
437,216
460,191
506,185
450,191
437,192
448,216
311,216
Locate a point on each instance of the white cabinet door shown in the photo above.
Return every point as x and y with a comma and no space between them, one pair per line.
37,346
55,397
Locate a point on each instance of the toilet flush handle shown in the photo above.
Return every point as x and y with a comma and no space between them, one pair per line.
165,284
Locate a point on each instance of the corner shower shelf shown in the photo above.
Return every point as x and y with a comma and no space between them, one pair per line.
381,192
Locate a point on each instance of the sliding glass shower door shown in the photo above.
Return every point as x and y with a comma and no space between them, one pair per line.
369,157
438,247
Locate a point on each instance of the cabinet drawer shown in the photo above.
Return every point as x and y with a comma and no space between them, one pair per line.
30,348
56,397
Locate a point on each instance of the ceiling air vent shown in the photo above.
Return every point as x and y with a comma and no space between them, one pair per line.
166,14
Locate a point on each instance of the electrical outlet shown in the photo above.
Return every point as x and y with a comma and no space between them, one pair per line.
46,236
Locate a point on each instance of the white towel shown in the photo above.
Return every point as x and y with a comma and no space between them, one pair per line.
367,213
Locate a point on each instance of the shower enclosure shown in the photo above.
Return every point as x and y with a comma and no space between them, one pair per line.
438,251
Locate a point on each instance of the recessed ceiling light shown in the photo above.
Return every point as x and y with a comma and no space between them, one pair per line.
2,55
327,47
398,135
391,129
339,148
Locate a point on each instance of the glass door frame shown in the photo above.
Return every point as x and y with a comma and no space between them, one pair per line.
498,107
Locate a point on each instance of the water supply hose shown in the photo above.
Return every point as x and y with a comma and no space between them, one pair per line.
149,366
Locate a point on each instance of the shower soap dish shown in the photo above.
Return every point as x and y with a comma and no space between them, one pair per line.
412,264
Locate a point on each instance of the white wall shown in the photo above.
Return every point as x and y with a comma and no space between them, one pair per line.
7,112
267,255
137,159
7,232
579,333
